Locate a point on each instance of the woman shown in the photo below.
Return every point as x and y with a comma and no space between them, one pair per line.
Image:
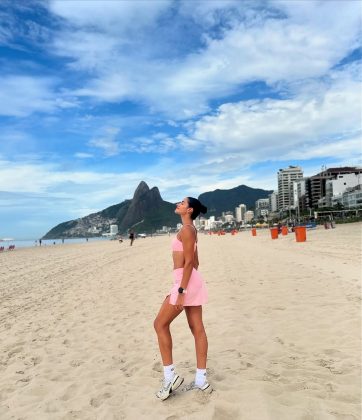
189,293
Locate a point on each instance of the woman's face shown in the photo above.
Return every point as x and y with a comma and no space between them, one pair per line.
183,207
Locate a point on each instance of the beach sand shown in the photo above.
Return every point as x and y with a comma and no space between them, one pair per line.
283,323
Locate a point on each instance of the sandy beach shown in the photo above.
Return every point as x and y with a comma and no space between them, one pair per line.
283,322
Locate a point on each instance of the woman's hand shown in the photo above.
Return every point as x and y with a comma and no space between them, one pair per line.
179,305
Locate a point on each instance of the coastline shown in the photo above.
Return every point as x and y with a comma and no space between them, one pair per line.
283,322
32,243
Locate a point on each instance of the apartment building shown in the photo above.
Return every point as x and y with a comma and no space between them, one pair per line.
317,187
273,201
286,177
262,207
240,212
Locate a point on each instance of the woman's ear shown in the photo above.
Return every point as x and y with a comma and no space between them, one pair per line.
190,210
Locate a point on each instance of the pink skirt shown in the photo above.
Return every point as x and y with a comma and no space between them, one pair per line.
196,289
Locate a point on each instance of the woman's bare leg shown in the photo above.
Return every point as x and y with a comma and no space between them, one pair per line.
162,323
194,318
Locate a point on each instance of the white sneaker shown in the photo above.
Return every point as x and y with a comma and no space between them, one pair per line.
206,388
168,388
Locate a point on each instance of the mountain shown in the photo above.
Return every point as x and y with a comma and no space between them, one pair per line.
226,200
147,205
146,212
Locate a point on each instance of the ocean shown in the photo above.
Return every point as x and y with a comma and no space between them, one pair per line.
47,242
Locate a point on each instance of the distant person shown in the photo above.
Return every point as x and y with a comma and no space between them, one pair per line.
62,240
131,237
189,293
39,242
120,239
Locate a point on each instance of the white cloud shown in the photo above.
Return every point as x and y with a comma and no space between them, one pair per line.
51,180
107,142
49,195
347,149
156,143
312,38
271,129
20,96
113,15
91,51
81,155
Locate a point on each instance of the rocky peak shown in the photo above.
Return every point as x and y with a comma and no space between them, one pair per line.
140,190
155,195
144,201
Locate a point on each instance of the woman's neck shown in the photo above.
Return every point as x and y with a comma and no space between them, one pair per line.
186,220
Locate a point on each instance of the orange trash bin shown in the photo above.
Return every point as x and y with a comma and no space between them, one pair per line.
284,230
300,233
274,233
253,231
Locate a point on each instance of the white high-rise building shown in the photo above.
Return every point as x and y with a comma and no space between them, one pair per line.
273,201
240,212
299,191
286,177
249,215
113,229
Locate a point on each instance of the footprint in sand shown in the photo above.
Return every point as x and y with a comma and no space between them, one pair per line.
329,364
245,365
76,363
278,340
98,401
14,352
74,415
157,367
224,411
218,377
33,361
69,393
24,381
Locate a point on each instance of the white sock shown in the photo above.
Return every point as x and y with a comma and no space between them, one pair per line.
168,372
200,378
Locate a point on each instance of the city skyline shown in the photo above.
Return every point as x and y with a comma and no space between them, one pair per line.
187,96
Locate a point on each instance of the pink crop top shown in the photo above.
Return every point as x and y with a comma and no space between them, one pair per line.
177,244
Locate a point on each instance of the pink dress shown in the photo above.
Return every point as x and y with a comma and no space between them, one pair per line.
196,289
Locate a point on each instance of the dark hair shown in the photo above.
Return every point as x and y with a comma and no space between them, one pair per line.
198,207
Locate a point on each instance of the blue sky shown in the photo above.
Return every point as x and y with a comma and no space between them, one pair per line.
188,96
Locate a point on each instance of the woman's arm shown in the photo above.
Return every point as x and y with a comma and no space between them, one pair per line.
196,259
188,243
